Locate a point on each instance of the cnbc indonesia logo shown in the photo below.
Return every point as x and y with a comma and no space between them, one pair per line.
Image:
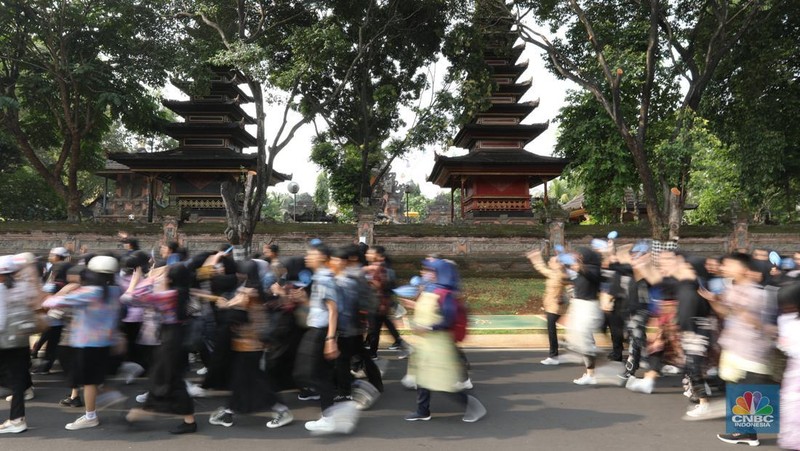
752,410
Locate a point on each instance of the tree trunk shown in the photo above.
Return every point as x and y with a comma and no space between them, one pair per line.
228,190
654,214
74,200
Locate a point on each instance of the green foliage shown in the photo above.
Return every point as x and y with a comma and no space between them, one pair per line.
70,69
273,206
26,197
633,100
322,192
343,165
752,106
599,160
383,47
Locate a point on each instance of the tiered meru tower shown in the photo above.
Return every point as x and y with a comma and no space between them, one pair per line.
210,151
496,176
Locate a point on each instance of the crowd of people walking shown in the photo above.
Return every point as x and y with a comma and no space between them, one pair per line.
717,320
260,327
267,325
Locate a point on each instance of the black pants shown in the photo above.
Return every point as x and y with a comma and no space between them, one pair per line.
49,340
424,400
637,331
376,322
251,391
14,364
131,331
695,347
347,349
552,333
616,326
312,369
363,360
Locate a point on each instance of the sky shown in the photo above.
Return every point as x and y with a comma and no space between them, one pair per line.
417,165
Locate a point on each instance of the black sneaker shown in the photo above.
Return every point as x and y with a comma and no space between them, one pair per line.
342,398
184,428
221,417
71,402
396,346
740,439
308,395
41,370
416,416
625,375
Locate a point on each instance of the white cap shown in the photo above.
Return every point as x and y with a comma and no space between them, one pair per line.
25,258
60,251
7,265
103,264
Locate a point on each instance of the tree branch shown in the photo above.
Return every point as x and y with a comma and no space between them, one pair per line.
208,22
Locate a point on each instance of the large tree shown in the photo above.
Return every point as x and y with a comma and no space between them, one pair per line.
751,105
277,45
67,70
365,128
620,50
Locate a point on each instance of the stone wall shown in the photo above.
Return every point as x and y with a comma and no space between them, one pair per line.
480,251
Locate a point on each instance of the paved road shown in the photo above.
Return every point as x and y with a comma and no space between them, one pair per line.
530,407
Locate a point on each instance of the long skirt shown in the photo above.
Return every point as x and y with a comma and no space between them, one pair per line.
583,319
251,391
167,392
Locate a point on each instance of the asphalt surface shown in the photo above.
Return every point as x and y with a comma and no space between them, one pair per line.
530,406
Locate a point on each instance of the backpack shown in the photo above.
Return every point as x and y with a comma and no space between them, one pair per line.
462,315
20,320
367,298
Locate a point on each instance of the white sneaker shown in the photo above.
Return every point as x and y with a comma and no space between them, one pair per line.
130,371
409,382
83,423
707,411
550,361
28,395
585,380
13,426
474,411
670,370
360,374
697,411
325,425
141,399
466,385
282,418
109,398
195,391
202,371
640,385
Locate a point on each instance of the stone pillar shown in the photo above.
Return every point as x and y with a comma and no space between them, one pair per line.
170,227
366,227
740,239
556,234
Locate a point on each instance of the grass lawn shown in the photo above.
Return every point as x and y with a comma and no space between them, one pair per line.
504,296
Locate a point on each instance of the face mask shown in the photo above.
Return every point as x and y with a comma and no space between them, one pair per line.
429,276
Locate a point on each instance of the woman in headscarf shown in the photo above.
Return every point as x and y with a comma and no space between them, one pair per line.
435,364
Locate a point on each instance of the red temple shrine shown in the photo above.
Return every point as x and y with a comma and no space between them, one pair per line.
210,151
496,176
